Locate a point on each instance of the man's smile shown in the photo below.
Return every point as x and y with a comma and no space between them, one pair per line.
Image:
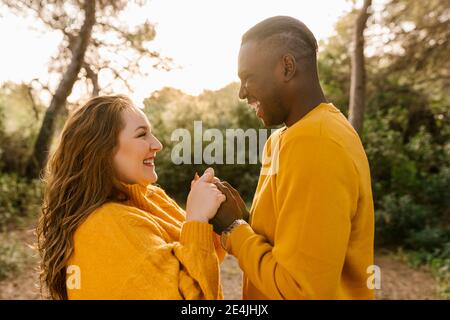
256,105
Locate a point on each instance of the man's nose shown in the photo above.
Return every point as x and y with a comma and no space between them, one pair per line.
242,92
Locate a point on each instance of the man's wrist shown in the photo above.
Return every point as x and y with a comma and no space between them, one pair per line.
227,232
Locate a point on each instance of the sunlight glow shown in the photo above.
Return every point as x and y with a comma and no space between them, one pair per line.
201,36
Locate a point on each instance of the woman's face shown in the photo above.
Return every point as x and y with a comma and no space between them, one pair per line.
137,147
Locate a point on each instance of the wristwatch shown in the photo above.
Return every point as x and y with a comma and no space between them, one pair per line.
228,231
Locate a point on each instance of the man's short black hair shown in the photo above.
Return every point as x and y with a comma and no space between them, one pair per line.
284,32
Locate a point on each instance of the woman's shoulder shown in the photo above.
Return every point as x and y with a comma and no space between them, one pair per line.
115,227
112,211
102,219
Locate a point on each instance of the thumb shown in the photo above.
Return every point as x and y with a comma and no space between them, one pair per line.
208,175
194,181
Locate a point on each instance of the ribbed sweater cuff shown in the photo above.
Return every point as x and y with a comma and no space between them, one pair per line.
199,234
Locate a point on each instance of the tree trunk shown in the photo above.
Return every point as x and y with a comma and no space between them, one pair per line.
39,156
358,78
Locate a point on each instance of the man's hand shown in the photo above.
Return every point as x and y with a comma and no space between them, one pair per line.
232,209
239,200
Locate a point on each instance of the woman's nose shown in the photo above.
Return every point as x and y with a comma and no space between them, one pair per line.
155,144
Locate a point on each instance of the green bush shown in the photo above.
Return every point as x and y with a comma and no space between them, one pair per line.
11,259
397,217
411,182
19,200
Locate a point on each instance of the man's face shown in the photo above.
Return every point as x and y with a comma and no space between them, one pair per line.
260,83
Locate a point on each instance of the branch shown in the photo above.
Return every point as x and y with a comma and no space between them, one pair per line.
28,89
93,76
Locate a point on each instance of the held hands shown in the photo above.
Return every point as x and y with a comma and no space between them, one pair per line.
215,201
204,198
230,210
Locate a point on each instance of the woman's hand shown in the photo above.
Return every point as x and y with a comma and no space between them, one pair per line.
204,198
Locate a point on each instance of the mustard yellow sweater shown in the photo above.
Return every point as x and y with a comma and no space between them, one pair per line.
144,249
312,224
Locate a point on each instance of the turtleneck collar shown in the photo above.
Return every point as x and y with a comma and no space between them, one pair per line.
138,191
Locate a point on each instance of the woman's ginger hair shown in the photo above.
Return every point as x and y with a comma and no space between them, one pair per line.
79,178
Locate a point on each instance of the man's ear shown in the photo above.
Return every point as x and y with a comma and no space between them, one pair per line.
289,66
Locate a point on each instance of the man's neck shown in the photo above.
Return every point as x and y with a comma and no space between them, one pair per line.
304,105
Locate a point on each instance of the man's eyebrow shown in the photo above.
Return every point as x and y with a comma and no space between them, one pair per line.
243,74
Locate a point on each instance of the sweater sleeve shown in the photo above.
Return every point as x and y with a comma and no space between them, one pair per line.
190,266
221,253
216,238
196,253
137,263
316,196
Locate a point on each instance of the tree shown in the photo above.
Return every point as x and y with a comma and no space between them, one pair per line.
358,78
419,33
95,44
415,55
64,89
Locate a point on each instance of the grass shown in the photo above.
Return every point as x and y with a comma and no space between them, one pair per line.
14,256
20,201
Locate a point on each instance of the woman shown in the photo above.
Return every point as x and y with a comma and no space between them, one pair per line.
106,232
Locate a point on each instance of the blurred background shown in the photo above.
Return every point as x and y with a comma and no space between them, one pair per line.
383,63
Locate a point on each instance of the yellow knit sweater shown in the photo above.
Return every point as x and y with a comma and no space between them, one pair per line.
312,224
144,249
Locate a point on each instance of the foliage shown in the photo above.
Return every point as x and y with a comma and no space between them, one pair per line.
20,116
20,200
119,50
12,258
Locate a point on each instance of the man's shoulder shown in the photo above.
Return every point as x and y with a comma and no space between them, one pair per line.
326,122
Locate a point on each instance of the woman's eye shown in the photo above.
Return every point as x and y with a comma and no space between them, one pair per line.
142,134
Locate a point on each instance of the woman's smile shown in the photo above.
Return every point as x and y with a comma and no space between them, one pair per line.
149,162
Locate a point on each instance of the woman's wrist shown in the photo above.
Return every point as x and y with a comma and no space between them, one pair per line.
190,217
197,234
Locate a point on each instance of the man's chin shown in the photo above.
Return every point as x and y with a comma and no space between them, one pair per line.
267,123
263,121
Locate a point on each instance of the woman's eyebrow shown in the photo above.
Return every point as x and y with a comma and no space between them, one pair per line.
141,127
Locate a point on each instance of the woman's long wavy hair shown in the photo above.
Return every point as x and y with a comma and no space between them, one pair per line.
79,178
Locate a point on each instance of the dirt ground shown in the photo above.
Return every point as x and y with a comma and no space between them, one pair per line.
398,280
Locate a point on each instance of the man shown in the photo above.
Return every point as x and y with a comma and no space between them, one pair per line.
312,221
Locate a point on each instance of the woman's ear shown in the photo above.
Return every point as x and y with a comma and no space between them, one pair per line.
289,66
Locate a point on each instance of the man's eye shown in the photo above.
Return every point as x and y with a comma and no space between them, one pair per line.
142,134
